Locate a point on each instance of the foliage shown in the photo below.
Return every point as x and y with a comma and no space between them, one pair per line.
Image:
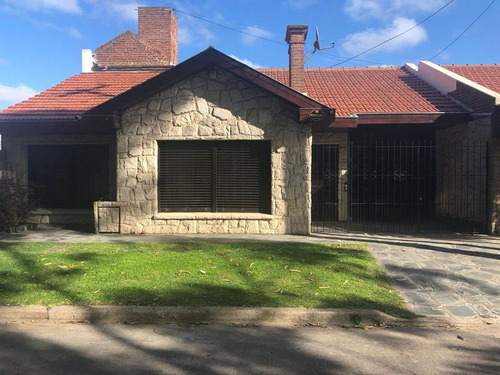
196,274
16,204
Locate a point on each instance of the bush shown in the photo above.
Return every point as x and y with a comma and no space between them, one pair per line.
16,204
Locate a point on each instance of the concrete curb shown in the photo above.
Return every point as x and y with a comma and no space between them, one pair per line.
259,316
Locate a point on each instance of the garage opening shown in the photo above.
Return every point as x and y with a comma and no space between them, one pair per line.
69,176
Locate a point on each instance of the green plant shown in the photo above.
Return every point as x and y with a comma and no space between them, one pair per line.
355,319
16,204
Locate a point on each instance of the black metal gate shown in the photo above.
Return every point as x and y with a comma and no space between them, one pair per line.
402,186
325,180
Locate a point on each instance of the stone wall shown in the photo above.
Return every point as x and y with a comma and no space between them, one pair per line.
213,105
461,172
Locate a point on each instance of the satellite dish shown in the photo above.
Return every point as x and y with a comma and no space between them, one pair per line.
317,45
316,42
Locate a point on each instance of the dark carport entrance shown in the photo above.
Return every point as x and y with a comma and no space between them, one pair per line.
69,176
400,179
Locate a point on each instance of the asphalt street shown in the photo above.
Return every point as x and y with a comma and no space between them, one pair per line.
49,348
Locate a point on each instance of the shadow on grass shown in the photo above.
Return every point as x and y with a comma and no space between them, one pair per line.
55,282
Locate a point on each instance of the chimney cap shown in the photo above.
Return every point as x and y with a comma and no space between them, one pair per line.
296,30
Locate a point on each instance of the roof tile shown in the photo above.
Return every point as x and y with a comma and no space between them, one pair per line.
487,75
348,90
76,95
368,90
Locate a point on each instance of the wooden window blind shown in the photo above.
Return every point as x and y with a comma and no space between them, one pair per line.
209,176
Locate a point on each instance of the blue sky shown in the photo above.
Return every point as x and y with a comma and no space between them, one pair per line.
42,39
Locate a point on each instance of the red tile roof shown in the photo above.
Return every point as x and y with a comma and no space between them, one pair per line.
348,90
487,75
368,90
76,95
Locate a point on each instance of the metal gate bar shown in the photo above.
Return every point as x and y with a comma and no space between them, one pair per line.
406,186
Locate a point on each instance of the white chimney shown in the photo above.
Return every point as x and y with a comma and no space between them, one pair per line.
87,61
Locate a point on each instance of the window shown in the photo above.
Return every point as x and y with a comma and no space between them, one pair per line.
69,176
206,176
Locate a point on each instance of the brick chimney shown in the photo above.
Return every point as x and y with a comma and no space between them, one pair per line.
296,38
153,47
158,26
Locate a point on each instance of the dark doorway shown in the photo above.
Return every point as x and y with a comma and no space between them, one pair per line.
69,176
400,179
325,178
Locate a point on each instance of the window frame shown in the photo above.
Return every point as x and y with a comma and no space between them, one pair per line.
263,181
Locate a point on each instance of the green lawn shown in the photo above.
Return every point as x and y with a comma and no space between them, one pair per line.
196,274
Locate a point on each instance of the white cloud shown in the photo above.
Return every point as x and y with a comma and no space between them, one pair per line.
70,31
127,10
191,30
122,10
74,33
14,94
300,4
185,36
246,62
256,31
386,9
65,6
364,40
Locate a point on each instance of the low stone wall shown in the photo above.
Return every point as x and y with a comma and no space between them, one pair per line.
62,216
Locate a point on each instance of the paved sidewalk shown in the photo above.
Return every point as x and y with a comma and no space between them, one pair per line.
456,276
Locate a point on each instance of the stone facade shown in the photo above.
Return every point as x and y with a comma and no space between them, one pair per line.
213,105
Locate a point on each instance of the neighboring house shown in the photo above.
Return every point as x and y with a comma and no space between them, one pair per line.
140,144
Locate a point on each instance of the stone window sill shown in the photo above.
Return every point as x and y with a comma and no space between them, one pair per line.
211,216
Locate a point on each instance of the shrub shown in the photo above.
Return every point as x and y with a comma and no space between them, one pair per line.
16,204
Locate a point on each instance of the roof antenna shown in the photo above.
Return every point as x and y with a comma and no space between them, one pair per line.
317,46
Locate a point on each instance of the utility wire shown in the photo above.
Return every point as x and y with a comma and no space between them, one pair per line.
463,32
229,27
396,36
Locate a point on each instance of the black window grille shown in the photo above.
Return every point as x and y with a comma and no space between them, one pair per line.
215,176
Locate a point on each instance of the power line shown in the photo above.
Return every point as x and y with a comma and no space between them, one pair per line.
229,27
343,57
395,36
463,32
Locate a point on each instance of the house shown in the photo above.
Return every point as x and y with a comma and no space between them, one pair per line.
138,143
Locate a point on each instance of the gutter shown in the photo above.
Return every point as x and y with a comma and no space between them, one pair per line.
356,119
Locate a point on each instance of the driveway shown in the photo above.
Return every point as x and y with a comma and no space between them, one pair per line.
456,276
448,275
